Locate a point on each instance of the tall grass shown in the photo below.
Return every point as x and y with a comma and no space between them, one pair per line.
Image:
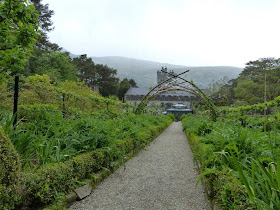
45,136
229,150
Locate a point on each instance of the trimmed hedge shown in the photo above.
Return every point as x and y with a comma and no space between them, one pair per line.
10,171
43,186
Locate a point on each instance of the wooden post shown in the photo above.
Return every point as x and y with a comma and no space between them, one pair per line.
264,111
63,105
15,101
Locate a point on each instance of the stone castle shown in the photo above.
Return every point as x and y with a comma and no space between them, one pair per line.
164,74
135,95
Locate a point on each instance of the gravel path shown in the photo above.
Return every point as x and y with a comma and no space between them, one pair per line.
162,176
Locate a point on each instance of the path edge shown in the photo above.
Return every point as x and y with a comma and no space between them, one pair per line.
100,176
205,185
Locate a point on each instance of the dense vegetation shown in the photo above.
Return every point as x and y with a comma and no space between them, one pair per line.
258,82
239,156
66,133
239,153
18,33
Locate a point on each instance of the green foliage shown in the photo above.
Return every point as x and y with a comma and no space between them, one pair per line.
172,116
69,96
106,80
43,185
66,133
44,18
45,136
55,64
249,91
18,33
125,84
97,75
249,87
183,116
87,70
10,171
238,160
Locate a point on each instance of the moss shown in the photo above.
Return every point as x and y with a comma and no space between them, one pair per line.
10,171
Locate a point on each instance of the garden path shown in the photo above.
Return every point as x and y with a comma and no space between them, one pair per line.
162,176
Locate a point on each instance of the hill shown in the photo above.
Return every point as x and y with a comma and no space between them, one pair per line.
144,72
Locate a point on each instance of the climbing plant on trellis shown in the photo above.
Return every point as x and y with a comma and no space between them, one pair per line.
176,82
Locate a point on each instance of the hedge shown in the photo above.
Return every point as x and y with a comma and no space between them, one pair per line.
43,186
10,171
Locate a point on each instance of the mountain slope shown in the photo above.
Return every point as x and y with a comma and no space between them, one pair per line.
144,72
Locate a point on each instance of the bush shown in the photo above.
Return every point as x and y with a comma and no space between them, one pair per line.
183,116
43,186
172,116
229,192
37,112
9,173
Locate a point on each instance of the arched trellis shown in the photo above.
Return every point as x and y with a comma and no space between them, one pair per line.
176,82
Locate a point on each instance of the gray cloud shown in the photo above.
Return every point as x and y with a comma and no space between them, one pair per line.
204,32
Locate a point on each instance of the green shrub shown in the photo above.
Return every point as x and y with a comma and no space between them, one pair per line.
172,116
230,193
239,161
183,116
9,173
42,186
37,112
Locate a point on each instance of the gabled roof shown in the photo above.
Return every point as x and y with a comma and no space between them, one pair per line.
177,94
137,91
144,91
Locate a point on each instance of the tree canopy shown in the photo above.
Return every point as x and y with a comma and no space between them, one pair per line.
86,68
18,33
125,84
249,87
97,75
106,80
55,64
46,23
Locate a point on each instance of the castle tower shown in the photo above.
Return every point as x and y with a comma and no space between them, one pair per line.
163,74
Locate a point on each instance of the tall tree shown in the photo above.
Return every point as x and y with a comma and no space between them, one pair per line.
18,34
258,67
125,84
55,64
106,80
86,70
248,88
249,92
43,45
45,15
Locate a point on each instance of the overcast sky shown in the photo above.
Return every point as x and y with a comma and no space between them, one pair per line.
186,32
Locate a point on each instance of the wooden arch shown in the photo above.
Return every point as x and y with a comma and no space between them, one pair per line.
176,82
